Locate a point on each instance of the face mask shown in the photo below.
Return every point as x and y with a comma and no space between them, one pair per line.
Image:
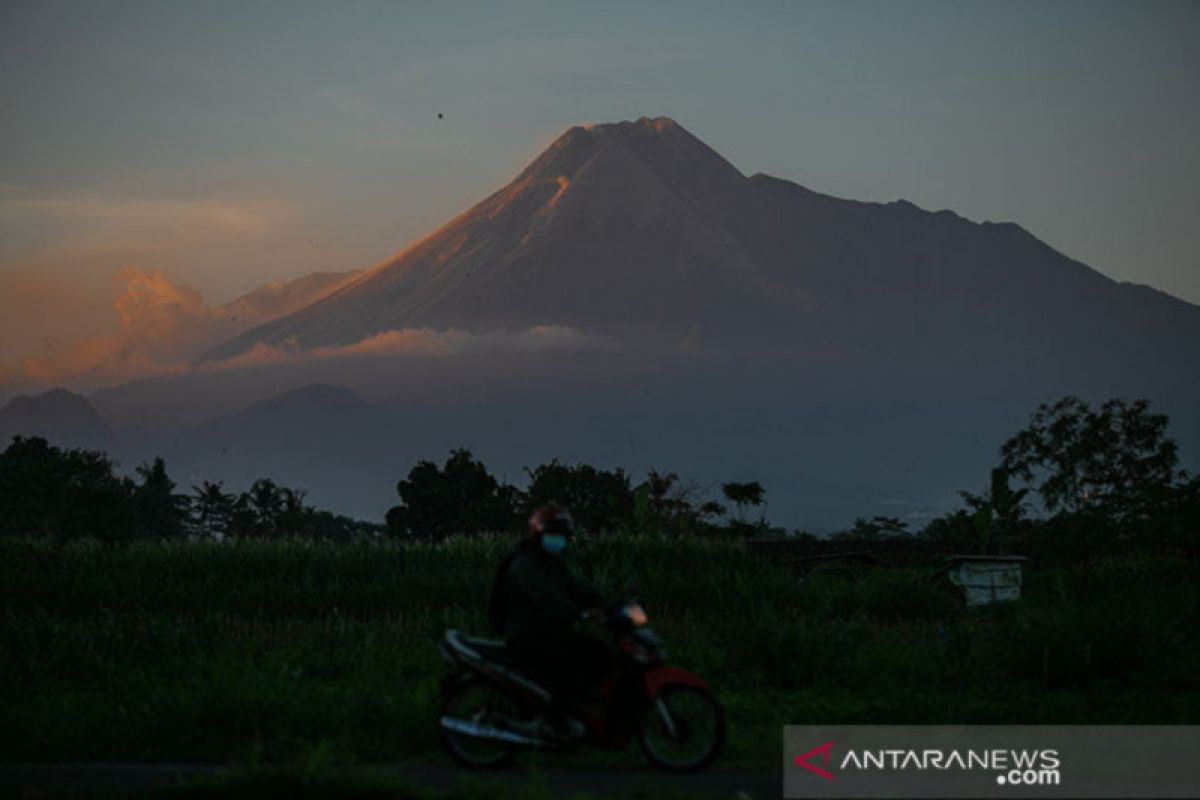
554,542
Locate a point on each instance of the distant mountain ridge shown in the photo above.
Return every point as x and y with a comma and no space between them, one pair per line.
61,416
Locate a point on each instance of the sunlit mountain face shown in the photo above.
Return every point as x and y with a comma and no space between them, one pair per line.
632,299
639,232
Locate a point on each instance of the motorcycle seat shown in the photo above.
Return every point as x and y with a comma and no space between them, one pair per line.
493,652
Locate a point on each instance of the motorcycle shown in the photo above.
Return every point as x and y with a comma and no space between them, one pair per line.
489,706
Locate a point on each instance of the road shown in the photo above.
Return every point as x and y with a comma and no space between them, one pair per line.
33,779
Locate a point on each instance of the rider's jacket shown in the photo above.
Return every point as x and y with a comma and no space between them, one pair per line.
542,598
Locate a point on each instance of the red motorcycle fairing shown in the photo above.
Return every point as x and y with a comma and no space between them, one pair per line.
656,678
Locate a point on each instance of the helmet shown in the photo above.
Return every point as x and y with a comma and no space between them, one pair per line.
551,519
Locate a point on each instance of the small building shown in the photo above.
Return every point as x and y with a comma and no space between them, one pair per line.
987,579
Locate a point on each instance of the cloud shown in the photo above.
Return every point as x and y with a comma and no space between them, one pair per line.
162,328
160,325
413,342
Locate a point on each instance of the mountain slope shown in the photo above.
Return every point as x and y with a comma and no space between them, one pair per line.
602,233
63,417
638,231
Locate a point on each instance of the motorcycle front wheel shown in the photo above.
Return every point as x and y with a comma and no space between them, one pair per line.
683,729
478,702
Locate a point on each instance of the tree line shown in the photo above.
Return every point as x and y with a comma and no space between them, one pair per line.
73,493
1077,481
462,497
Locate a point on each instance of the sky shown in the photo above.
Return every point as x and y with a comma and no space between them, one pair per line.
214,147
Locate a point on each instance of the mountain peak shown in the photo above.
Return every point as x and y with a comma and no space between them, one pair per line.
654,124
579,143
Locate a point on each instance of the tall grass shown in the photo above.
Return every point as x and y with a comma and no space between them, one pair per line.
264,651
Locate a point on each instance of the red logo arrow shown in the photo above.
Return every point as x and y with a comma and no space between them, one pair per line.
802,760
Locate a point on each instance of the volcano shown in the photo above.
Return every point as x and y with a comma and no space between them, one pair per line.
639,232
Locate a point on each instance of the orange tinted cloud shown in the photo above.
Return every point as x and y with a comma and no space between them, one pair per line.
411,342
163,328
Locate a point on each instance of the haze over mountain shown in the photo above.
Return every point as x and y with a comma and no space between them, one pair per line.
632,299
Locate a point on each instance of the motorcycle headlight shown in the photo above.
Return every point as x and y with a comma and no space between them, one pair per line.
635,614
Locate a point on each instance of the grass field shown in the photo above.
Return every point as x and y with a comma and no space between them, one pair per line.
274,652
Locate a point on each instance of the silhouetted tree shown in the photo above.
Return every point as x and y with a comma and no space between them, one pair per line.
212,510
996,514
597,499
461,497
265,503
665,504
658,487
743,495
61,493
294,517
1114,461
160,512
955,531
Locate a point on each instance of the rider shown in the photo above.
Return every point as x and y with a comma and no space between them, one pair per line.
540,603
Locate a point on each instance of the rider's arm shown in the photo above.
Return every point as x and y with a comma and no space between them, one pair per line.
525,578
584,596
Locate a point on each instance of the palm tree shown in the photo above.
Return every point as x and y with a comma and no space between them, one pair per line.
212,509
160,512
266,503
292,512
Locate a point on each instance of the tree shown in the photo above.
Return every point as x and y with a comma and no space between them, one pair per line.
294,516
62,493
1113,461
955,531
743,495
212,510
996,514
658,488
265,502
160,512
597,499
461,497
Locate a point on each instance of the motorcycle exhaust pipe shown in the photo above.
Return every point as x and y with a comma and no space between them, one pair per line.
467,728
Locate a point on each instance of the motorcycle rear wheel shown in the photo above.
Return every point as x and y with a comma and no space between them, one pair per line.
693,738
478,701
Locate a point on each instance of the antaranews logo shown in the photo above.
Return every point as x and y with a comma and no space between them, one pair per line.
1009,767
1009,762
802,760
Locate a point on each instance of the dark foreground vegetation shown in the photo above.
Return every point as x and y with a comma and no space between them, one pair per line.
279,647
289,650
